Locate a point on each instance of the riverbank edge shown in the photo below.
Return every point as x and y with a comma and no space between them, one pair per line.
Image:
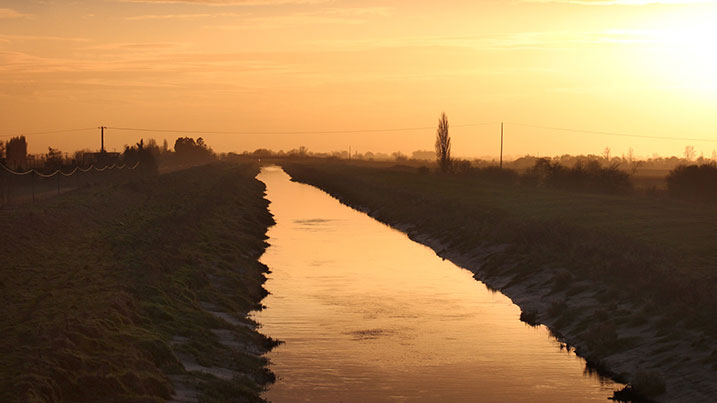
644,357
138,291
236,279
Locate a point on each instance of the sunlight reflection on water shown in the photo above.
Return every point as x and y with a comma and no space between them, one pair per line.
366,314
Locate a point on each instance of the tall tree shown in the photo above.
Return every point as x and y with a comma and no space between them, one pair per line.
443,144
16,152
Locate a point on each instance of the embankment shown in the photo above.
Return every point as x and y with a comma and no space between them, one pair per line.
136,292
638,311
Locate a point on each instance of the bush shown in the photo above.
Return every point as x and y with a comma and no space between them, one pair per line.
587,176
694,182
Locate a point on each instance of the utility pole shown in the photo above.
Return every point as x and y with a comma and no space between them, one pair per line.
102,138
349,153
501,144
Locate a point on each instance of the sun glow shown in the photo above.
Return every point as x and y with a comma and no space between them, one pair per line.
685,55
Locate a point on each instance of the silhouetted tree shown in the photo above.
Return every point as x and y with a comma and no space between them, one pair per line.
190,151
53,159
16,152
443,144
139,153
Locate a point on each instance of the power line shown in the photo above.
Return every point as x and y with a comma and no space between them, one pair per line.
404,129
612,133
49,132
358,131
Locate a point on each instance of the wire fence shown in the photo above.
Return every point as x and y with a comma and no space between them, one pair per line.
32,185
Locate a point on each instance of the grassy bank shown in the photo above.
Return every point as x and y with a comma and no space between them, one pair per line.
625,280
136,292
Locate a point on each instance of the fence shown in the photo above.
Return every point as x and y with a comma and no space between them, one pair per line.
32,185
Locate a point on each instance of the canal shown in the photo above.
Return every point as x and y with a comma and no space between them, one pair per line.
368,315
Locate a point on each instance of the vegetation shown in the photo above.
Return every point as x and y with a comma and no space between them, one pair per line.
583,176
632,261
443,145
16,152
188,151
144,156
107,301
694,182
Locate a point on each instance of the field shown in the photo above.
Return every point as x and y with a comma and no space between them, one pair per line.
627,280
136,291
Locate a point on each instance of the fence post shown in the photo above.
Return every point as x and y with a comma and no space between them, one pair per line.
58,181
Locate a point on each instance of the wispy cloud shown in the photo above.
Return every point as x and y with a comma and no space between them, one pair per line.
230,2
349,15
182,16
12,37
624,2
8,13
498,41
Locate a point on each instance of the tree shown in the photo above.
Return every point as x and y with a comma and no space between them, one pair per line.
689,153
443,144
632,162
16,152
139,153
189,151
53,159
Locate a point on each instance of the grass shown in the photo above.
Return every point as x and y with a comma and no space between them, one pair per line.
96,285
597,257
663,247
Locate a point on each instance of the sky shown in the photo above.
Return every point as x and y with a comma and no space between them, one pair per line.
273,73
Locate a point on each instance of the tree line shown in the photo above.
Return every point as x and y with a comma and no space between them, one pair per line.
150,155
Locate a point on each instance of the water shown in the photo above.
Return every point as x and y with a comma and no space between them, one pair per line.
368,315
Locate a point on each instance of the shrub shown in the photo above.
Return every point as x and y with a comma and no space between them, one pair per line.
695,182
587,176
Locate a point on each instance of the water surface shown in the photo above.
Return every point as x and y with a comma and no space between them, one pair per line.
368,315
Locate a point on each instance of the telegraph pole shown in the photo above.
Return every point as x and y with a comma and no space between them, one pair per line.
501,144
102,138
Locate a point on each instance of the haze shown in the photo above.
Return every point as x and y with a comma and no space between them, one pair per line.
637,67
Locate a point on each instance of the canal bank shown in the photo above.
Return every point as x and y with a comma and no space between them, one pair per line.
630,341
137,291
366,314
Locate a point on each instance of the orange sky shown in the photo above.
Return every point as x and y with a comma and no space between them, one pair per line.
640,67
